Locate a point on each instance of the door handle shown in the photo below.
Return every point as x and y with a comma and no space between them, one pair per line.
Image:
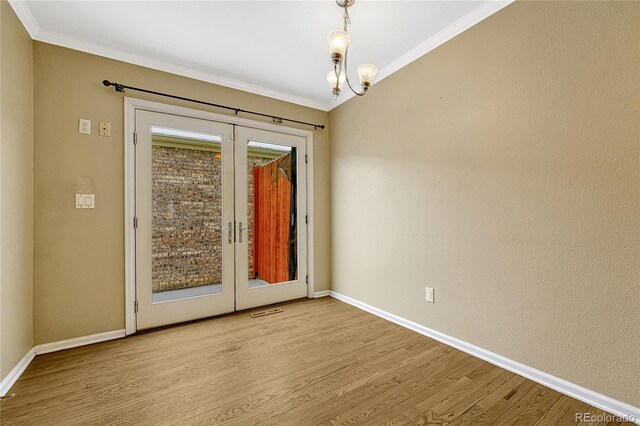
230,233
240,232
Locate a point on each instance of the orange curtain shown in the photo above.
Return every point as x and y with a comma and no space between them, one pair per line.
272,221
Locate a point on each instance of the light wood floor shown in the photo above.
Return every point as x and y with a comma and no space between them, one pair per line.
319,362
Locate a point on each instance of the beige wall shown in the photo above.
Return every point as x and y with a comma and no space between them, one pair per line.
502,169
16,190
79,254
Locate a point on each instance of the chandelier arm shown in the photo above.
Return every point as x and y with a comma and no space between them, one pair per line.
346,75
337,73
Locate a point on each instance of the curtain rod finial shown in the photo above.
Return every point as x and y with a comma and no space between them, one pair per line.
119,87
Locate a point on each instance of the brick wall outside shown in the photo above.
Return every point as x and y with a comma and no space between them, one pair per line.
187,217
187,213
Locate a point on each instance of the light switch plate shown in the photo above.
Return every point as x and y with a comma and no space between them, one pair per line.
85,201
105,128
84,126
429,294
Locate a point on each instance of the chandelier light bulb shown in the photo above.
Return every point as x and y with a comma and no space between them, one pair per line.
335,83
367,72
338,42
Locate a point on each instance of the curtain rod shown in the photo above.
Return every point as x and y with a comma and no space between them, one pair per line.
278,120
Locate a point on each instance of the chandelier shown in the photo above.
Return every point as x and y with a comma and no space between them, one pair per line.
339,46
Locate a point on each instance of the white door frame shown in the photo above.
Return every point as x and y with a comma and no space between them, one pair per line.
130,107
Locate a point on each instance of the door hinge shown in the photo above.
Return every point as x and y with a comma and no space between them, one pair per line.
306,218
135,222
307,279
135,305
135,139
306,159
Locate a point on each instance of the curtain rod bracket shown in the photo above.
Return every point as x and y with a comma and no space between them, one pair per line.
119,87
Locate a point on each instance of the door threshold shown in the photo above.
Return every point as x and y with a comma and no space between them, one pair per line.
272,306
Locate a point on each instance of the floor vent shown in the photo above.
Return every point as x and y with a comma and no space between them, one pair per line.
265,313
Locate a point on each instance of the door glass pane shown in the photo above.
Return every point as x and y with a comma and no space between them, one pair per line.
272,214
187,214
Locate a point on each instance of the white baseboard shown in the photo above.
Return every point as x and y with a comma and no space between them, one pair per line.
7,382
588,396
323,293
13,376
78,341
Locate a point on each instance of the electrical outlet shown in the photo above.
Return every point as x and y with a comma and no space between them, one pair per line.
105,128
429,294
85,126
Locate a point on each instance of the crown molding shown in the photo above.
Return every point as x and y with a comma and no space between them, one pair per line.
132,58
438,39
51,37
24,14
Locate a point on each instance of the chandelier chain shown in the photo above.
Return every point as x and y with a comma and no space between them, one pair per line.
343,68
347,18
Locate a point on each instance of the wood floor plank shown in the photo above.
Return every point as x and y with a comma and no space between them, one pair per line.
315,410
333,388
326,392
537,395
375,400
555,412
244,402
193,373
319,362
503,405
568,416
471,395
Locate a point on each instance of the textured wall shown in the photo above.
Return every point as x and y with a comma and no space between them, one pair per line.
187,218
502,169
79,254
16,190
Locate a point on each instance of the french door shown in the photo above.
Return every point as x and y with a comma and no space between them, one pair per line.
219,218
270,205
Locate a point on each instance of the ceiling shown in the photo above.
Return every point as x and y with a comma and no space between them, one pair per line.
272,48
